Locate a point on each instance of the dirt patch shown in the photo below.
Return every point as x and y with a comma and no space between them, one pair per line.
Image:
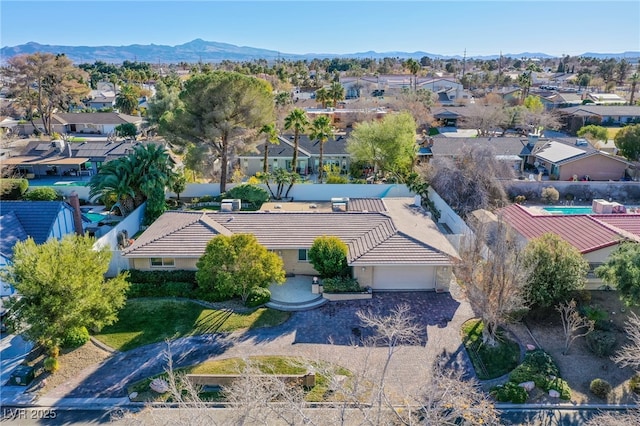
581,366
72,362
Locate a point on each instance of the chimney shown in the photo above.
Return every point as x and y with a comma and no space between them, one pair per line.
74,201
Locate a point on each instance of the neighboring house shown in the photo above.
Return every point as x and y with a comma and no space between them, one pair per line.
513,150
280,156
396,247
39,220
60,158
101,123
346,117
576,117
606,98
448,117
101,102
566,161
595,236
562,100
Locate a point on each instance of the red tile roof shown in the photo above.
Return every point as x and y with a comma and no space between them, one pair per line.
584,232
627,222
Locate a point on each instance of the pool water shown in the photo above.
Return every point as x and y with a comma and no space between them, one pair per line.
94,217
568,210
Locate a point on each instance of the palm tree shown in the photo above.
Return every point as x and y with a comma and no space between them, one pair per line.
298,121
141,176
413,66
321,130
336,93
271,137
634,82
322,96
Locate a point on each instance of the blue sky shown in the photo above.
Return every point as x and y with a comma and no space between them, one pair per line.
481,27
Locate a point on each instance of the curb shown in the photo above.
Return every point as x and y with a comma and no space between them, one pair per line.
103,346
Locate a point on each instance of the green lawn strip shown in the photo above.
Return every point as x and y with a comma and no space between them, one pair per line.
489,362
265,364
147,321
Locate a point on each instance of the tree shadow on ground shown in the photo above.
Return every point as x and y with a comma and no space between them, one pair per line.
337,323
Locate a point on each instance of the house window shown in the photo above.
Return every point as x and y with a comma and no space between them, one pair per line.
302,255
162,262
592,268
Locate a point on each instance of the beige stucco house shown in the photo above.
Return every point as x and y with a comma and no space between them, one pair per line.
392,245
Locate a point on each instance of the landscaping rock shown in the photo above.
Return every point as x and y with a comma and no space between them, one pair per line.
531,348
554,393
133,395
528,386
159,385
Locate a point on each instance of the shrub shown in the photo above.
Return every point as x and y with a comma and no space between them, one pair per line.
569,196
510,392
337,179
595,314
75,337
550,194
328,255
51,364
251,194
42,194
537,367
519,199
634,383
601,343
600,388
561,386
12,189
162,277
258,296
54,352
341,285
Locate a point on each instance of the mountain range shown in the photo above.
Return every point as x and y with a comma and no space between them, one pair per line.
210,51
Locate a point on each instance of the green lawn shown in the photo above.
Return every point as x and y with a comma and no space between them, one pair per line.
144,321
489,362
266,365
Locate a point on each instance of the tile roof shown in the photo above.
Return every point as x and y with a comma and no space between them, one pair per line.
457,146
95,118
11,231
366,205
602,110
584,232
36,217
627,222
555,152
186,234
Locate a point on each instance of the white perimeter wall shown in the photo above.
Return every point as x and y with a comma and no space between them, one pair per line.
131,224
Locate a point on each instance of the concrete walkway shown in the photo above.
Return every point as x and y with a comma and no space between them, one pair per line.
330,333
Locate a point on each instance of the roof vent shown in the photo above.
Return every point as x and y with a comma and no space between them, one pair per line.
313,206
277,206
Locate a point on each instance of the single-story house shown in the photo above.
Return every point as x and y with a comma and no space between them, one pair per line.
280,156
576,117
100,123
595,236
40,220
448,117
398,247
60,158
568,161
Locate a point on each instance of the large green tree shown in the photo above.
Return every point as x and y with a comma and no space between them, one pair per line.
62,288
127,99
43,83
298,121
322,131
622,270
388,145
220,109
557,268
593,132
627,140
141,176
328,255
235,265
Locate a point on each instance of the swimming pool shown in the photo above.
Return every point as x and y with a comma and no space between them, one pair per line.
94,217
568,210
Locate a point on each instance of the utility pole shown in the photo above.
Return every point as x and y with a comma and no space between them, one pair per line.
464,66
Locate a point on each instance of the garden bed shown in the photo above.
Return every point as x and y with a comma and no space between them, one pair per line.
581,366
489,362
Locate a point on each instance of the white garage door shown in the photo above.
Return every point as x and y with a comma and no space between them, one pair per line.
403,278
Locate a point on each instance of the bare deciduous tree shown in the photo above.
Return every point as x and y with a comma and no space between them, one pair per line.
572,323
608,418
485,118
629,354
491,273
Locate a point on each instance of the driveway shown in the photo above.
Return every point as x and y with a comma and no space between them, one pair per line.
13,350
331,332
